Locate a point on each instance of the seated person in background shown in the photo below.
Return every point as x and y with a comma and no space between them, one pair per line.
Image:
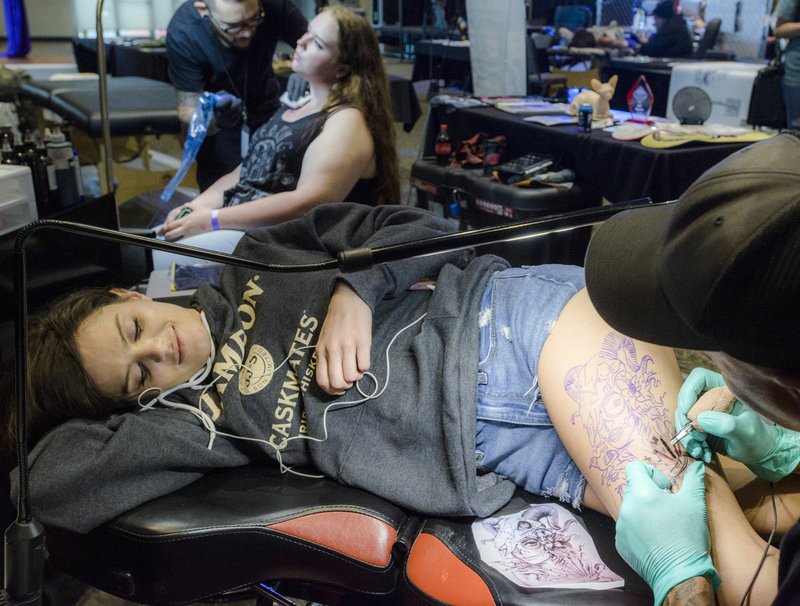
672,37
227,45
436,383
582,38
610,36
339,146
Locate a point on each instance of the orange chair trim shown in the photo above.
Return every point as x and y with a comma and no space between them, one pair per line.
356,535
436,571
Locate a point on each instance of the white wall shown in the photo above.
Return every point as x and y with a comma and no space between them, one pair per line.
744,25
48,18
125,14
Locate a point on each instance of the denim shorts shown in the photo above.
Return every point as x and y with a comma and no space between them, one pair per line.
514,436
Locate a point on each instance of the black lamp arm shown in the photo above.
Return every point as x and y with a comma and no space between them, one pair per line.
363,258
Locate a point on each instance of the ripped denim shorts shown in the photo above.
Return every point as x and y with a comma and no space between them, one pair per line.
515,437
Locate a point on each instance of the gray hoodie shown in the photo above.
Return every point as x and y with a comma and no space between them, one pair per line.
413,444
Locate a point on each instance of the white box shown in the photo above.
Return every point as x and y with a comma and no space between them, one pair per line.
17,200
727,85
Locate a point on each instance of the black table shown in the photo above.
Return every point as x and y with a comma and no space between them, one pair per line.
403,36
617,170
141,57
404,102
142,61
442,60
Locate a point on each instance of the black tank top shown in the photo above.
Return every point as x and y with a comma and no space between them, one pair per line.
275,158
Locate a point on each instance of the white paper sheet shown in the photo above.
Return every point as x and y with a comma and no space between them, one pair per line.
543,546
497,47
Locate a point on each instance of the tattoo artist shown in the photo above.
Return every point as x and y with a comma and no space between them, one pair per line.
226,47
718,272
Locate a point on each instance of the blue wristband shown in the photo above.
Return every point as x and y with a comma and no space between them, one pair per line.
215,219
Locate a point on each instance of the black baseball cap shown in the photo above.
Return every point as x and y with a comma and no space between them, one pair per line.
718,270
664,9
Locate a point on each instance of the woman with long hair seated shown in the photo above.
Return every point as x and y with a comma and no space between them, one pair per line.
339,146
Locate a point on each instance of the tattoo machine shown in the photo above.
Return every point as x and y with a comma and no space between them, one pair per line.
719,399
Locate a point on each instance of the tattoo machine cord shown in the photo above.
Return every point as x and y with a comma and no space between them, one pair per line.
766,549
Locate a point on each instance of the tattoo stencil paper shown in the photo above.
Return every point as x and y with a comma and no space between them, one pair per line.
543,546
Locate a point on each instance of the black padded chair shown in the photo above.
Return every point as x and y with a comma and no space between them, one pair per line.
541,81
278,535
137,106
309,539
572,17
709,39
59,262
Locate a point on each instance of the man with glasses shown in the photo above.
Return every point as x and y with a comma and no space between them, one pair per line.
227,46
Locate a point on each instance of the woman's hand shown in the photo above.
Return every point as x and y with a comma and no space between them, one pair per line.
196,222
343,348
173,215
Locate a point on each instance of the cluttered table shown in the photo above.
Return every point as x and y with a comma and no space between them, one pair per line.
619,170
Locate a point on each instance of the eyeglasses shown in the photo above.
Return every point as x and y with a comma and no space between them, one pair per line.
234,29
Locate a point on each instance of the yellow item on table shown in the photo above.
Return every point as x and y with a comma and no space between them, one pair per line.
680,134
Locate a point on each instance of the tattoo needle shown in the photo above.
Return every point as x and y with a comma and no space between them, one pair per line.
719,399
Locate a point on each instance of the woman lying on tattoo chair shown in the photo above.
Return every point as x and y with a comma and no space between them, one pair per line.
435,383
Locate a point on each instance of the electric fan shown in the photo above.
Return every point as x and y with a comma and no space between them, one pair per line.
691,105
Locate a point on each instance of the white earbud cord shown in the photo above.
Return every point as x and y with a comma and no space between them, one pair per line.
195,382
208,423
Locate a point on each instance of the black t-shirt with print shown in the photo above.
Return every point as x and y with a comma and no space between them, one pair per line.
198,61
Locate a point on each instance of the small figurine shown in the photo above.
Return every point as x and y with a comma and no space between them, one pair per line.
598,98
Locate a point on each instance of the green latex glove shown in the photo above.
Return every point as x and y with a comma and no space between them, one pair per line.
771,452
697,383
664,536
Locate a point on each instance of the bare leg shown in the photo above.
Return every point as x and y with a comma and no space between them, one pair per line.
753,495
612,400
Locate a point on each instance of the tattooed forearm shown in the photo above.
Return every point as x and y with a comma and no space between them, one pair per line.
622,408
697,591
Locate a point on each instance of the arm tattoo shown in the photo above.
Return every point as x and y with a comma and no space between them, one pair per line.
697,591
621,405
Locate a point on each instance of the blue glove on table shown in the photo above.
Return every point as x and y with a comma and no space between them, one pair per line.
227,110
769,451
664,536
